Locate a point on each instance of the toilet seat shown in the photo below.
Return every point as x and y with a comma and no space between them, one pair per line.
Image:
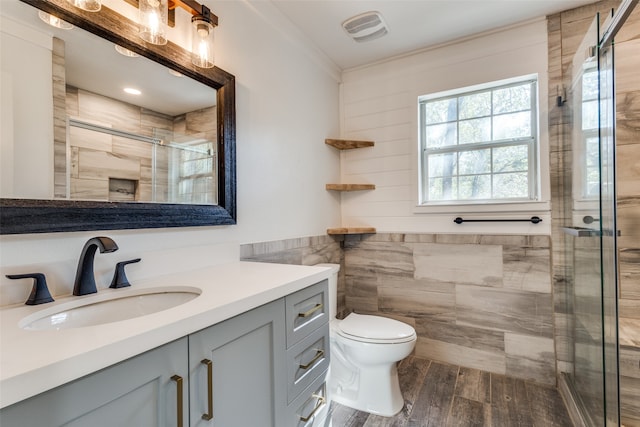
375,329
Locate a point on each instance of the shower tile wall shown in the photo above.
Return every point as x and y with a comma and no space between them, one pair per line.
58,76
96,157
627,63
476,301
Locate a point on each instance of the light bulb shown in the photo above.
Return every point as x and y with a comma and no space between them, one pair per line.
153,21
202,42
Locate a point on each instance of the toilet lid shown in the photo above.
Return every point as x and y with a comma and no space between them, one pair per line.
375,328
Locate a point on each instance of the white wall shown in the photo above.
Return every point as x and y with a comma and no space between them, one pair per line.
380,102
26,94
287,99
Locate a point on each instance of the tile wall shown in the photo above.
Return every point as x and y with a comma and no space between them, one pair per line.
627,62
477,301
300,251
481,302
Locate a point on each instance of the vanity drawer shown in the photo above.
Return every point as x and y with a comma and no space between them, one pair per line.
311,407
306,310
306,360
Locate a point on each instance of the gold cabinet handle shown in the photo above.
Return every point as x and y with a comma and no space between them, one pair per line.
319,354
321,401
209,415
178,380
310,312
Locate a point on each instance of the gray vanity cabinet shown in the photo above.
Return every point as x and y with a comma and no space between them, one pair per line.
308,355
141,391
237,370
263,368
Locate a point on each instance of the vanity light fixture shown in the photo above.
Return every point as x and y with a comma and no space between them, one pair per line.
153,21
54,21
202,23
202,39
88,5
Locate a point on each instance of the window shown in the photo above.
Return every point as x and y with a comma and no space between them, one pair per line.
196,177
590,139
479,145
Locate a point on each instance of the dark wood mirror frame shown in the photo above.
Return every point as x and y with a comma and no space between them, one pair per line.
24,216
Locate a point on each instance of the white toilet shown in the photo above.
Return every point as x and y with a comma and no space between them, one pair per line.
364,352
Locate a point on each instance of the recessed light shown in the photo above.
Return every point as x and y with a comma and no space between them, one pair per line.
125,52
175,73
132,91
54,21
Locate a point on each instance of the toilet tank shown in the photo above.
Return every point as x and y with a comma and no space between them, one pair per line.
333,288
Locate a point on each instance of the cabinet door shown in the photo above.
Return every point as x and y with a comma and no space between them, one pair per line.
237,370
137,392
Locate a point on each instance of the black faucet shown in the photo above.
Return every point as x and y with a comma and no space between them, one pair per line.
85,282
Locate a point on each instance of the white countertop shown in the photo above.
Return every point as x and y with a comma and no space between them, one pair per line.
35,361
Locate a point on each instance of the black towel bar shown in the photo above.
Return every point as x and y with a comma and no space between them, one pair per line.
533,219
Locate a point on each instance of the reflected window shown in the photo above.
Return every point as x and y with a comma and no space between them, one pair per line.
589,137
480,144
195,174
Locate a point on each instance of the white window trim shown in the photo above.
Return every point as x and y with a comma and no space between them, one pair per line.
540,205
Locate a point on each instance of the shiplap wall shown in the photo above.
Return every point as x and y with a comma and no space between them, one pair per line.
380,102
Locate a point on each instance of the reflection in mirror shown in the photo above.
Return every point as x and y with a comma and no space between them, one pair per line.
585,138
134,130
67,166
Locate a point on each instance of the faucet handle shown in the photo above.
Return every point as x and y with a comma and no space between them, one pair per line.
119,277
39,292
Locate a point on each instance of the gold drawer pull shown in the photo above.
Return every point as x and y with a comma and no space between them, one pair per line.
310,312
321,401
319,354
209,415
178,380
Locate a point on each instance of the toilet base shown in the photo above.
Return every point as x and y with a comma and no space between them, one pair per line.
377,391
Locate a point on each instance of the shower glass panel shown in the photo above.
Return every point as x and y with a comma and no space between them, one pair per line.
107,164
590,240
184,170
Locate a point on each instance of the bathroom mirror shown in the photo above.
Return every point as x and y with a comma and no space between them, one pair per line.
66,213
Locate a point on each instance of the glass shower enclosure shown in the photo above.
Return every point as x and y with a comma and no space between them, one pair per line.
118,165
590,229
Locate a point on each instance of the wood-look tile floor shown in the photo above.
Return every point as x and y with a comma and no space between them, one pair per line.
442,395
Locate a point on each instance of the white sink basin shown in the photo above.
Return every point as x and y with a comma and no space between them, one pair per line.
107,307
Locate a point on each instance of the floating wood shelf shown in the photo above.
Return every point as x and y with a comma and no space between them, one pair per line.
346,144
350,187
351,230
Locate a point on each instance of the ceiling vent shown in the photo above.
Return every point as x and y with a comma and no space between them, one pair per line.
365,27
